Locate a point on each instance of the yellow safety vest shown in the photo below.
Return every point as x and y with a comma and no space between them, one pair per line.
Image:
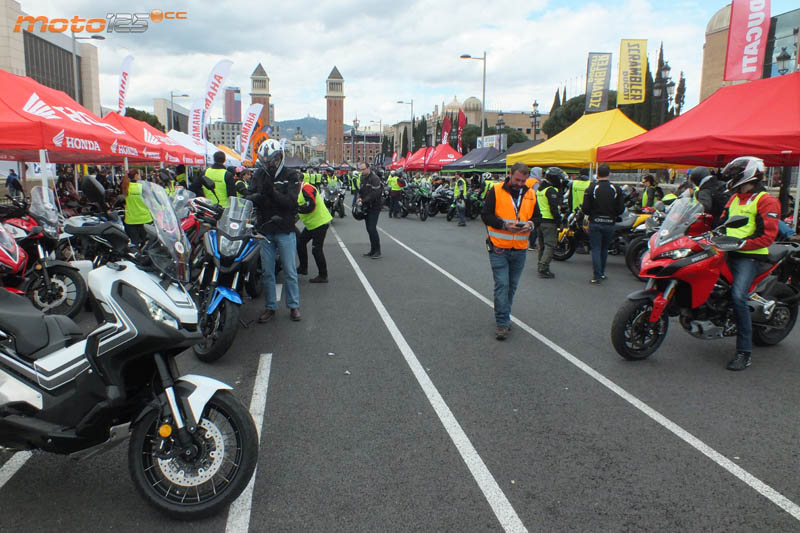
135,210
750,210
578,189
217,175
319,216
544,205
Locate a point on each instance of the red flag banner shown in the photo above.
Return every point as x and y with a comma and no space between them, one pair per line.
462,121
446,127
394,157
747,39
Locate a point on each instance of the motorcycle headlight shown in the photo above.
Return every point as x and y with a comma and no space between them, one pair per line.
227,247
158,313
678,253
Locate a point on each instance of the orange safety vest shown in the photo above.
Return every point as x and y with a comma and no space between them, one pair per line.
531,182
504,209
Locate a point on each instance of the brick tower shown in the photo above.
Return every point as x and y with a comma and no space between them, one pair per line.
259,91
334,94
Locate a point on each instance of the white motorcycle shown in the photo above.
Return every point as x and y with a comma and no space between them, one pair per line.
193,446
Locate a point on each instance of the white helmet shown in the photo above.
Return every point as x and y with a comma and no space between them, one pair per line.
486,176
271,156
743,170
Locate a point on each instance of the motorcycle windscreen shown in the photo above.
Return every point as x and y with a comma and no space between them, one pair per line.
172,256
180,202
682,214
43,208
234,224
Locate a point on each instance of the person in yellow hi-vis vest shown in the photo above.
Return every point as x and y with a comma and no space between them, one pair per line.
508,213
316,219
224,182
136,213
749,199
460,197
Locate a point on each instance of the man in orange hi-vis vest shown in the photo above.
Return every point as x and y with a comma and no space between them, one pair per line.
507,213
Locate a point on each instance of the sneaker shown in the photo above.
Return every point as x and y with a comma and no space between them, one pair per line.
294,314
596,281
370,254
501,332
302,271
462,223
602,276
530,248
546,274
318,279
376,255
740,362
266,315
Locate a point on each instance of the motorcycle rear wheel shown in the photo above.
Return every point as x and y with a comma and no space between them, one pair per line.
633,255
783,316
188,490
254,284
432,209
633,335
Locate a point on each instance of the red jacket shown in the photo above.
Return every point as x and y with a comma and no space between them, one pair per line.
766,219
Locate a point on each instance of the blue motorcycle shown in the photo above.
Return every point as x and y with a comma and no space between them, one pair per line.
231,255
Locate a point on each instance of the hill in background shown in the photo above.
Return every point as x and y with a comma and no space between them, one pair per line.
312,127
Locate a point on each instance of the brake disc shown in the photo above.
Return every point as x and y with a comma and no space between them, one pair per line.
202,469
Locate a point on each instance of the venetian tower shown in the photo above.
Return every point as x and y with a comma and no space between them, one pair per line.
259,91
334,94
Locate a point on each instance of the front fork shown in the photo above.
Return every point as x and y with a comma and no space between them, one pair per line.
661,301
185,425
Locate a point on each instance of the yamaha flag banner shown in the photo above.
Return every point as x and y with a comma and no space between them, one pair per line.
124,82
747,39
196,119
631,81
462,121
216,79
598,79
446,127
248,126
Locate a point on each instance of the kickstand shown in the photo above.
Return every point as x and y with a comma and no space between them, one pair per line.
244,324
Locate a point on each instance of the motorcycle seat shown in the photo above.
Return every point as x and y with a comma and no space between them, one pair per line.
779,251
89,229
35,334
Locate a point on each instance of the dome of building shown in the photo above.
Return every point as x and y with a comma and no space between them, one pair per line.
720,21
455,105
472,104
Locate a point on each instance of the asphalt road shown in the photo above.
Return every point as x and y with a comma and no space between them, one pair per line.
420,420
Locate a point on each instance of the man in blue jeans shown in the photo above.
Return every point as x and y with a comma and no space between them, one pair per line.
603,202
274,193
507,213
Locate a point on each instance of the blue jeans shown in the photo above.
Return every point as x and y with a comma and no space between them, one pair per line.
785,230
600,236
284,244
744,270
507,266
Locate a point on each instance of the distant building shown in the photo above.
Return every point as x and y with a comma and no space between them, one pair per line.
259,93
180,114
299,146
334,139
223,132
232,108
363,144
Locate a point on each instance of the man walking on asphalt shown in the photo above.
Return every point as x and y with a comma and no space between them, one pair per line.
507,213
369,195
548,217
602,203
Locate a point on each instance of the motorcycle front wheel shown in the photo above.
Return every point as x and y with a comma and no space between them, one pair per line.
254,285
226,443
64,295
422,210
565,248
633,335
219,328
451,213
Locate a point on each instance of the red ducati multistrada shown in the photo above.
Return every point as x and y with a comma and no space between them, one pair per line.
688,277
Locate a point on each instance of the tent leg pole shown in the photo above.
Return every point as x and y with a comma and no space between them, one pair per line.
126,165
43,165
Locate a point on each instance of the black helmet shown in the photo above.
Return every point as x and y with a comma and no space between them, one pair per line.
271,157
555,176
358,212
699,174
743,170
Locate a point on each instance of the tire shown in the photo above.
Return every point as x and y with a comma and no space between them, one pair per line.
403,211
66,294
784,316
633,255
340,210
254,285
565,248
432,209
423,211
451,213
163,483
221,331
634,318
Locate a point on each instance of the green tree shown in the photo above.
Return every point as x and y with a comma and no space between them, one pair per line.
144,116
556,102
564,96
564,116
469,137
403,144
514,136
680,95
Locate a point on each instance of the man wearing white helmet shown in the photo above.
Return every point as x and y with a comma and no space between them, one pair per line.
274,193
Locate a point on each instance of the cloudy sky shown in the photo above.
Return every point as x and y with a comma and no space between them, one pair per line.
388,50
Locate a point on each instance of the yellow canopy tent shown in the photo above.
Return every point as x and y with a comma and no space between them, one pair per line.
577,145
230,152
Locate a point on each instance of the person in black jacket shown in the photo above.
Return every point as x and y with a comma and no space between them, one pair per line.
548,217
603,202
369,196
274,192
711,192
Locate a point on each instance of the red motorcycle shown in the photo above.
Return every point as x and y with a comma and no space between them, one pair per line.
53,286
688,277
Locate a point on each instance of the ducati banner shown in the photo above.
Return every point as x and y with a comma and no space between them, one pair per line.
598,79
394,157
747,39
446,127
248,126
462,122
632,66
124,82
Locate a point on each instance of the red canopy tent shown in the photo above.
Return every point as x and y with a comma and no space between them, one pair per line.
760,118
444,154
35,117
417,159
161,147
398,164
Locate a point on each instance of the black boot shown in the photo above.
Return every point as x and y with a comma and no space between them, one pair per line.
740,362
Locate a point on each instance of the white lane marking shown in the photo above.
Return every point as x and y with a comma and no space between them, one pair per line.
502,508
278,292
11,466
239,511
756,484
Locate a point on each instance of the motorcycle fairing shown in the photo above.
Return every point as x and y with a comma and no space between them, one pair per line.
221,293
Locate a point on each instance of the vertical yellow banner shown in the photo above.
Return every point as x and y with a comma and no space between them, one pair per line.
632,71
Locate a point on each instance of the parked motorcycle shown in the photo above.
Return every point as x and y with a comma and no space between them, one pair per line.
193,446
230,250
422,198
334,199
54,286
441,200
688,277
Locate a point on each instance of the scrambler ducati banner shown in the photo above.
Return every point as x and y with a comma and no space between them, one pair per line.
747,39
631,81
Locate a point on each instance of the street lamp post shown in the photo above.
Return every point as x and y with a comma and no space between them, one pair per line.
411,103
783,59
75,60
664,89
535,119
483,97
380,127
171,117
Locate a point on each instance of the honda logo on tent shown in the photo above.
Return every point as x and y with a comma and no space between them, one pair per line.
149,138
58,140
114,146
151,155
172,159
35,106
